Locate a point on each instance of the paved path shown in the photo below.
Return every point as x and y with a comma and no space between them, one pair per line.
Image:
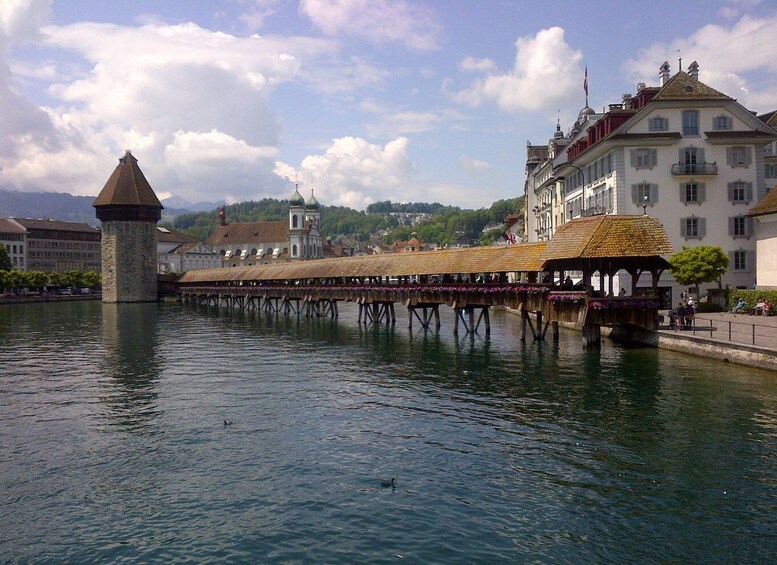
745,329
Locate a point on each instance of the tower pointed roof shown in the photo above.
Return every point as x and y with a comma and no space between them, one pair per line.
127,186
127,196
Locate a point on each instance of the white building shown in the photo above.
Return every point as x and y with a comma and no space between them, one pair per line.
178,253
256,243
13,237
682,152
765,216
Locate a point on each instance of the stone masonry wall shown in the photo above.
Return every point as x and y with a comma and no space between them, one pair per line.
129,261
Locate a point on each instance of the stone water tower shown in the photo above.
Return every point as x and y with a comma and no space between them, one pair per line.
128,210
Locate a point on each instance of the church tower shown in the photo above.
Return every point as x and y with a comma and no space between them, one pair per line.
128,211
296,224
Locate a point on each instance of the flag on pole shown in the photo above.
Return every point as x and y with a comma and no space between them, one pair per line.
585,81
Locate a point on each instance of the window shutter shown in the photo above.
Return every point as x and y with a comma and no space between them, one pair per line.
653,193
748,191
635,193
684,227
653,157
664,124
633,157
748,226
729,122
681,155
702,227
730,156
701,192
749,260
731,192
683,193
700,155
731,221
748,156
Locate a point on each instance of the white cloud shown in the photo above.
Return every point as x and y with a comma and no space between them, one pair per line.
156,89
21,20
393,124
353,172
546,74
473,165
377,21
257,11
727,56
476,65
343,77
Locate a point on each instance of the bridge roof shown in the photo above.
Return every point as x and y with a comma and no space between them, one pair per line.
520,257
622,241
608,236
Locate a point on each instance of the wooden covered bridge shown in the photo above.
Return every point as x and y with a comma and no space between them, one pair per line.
527,278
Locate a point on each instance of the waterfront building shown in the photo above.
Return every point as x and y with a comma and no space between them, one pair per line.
765,215
178,253
681,152
256,243
14,238
770,152
51,246
128,210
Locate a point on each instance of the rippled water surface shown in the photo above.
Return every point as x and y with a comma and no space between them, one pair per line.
114,446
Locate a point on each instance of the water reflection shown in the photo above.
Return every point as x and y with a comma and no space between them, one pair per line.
131,364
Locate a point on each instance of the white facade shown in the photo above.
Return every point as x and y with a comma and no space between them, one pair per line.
13,237
683,153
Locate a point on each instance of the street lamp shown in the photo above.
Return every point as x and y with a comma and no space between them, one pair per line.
644,204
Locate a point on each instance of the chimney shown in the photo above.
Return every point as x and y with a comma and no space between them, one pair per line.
223,216
663,73
693,70
626,101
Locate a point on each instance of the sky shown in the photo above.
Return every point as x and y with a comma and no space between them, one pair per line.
357,101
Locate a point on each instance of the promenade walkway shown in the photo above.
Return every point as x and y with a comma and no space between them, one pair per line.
740,338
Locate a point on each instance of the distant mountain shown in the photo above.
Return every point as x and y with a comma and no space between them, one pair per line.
54,205
183,205
70,208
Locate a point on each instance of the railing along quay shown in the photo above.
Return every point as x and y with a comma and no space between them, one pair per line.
730,330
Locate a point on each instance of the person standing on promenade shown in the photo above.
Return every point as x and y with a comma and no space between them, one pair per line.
681,312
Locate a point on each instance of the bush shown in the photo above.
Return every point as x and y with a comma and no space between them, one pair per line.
751,297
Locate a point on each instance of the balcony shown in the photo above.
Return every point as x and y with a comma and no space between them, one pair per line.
694,169
594,211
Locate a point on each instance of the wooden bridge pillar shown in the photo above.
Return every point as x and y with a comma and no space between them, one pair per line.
473,325
377,312
429,311
592,336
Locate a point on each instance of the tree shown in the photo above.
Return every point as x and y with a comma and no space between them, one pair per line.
5,260
92,279
37,279
695,265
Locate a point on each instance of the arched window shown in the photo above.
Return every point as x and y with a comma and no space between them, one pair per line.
237,252
286,249
294,250
253,251
268,251
223,251
294,221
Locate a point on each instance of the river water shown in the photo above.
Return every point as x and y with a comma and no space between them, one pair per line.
114,446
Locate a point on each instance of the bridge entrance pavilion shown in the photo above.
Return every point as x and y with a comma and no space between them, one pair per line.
527,278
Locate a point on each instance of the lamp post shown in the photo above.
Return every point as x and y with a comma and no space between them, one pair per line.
644,204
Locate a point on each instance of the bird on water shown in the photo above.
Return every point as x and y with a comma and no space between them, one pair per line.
227,423
387,482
